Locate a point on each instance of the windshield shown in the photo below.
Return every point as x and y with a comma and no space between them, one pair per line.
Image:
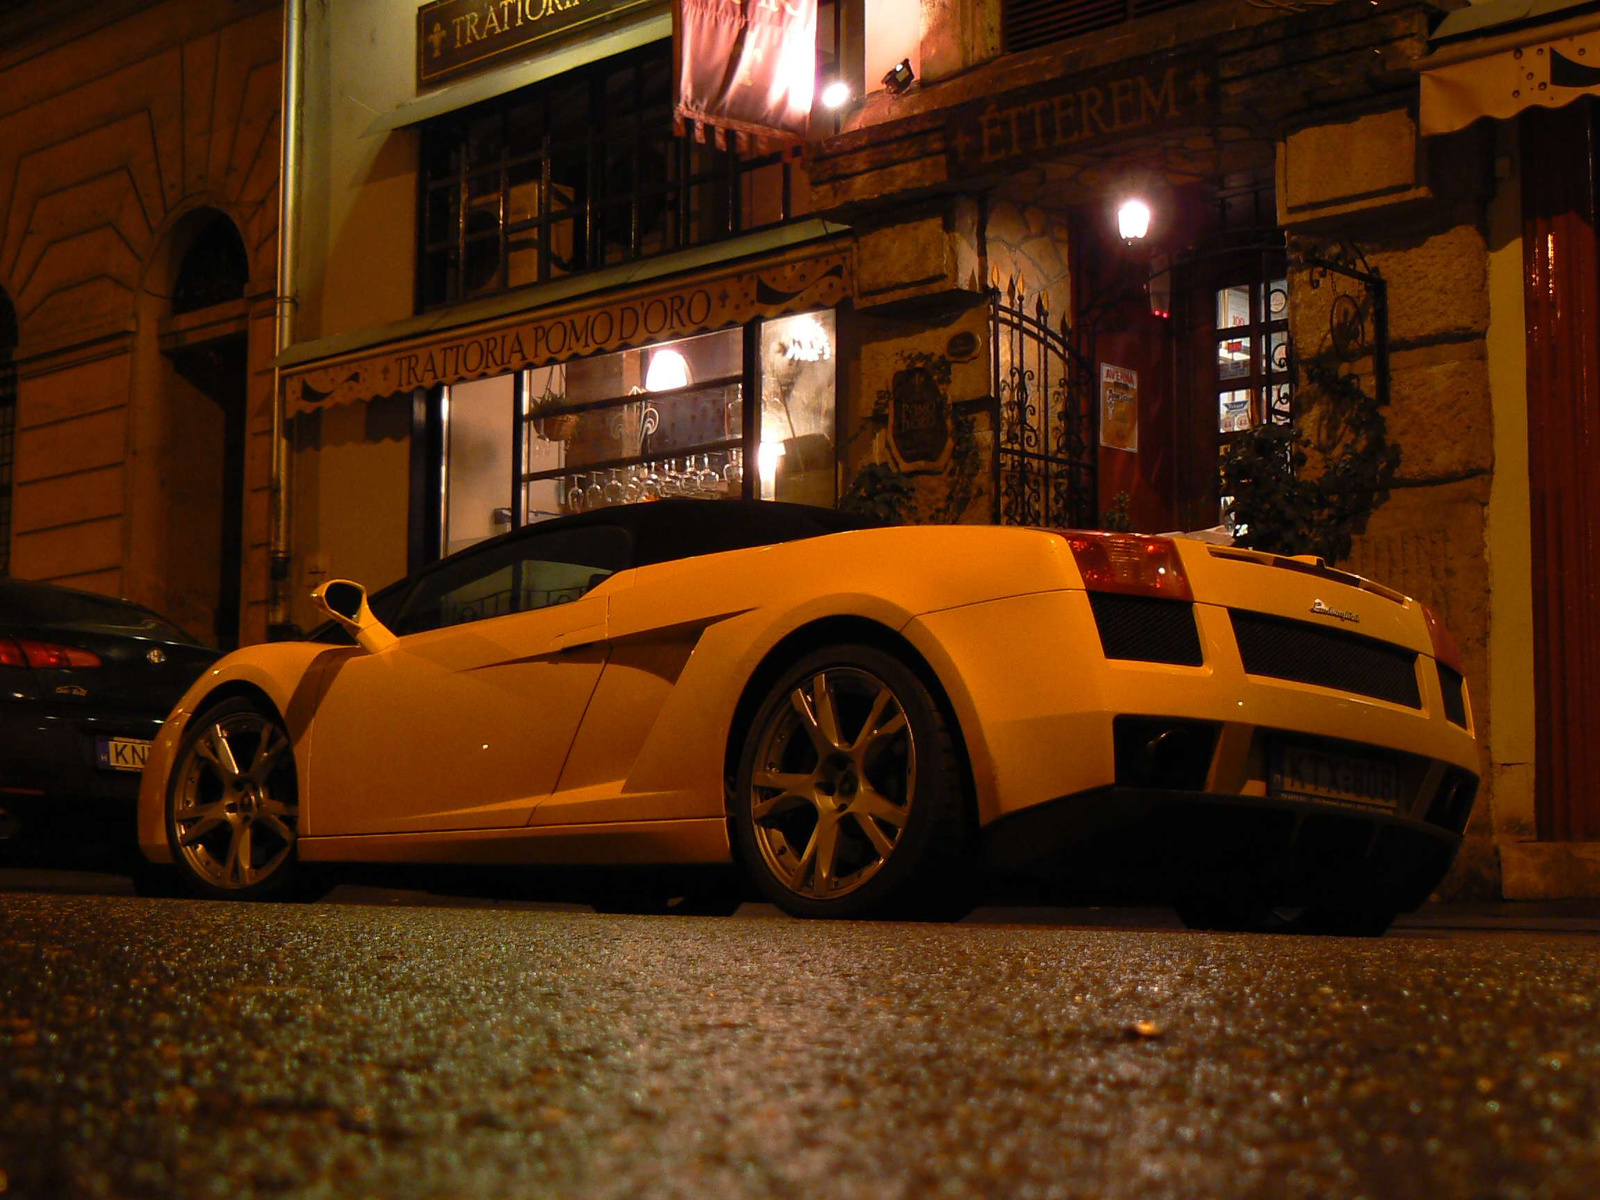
43,606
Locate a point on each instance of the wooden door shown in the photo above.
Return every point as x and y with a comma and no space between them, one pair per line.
1563,342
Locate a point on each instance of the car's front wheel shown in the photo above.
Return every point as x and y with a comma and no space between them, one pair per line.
232,804
849,799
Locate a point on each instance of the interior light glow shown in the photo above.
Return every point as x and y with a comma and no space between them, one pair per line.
1133,219
808,342
836,94
767,456
668,370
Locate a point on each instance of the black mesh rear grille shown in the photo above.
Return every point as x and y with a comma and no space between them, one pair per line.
1146,629
1455,699
1327,658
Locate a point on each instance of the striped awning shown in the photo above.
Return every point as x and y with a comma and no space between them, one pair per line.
1498,59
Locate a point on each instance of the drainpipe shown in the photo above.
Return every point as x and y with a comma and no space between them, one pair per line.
283,325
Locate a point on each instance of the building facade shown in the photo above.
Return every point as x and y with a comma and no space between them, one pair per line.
138,217
518,290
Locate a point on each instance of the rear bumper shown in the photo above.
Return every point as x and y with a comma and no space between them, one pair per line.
49,771
1162,846
1038,702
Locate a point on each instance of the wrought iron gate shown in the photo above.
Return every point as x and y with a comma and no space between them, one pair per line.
1044,419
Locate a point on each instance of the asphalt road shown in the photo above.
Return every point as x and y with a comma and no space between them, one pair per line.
379,1047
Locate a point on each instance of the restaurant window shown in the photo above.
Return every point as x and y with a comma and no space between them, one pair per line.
660,421
1252,363
576,173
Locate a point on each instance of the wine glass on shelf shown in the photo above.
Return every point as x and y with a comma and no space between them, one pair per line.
594,495
614,492
709,482
575,494
652,482
633,485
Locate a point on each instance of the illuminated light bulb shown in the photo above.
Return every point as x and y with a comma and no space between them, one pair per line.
836,94
808,343
1133,220
767,456
668,370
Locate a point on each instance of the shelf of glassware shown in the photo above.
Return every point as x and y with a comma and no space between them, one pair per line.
713,474
633,448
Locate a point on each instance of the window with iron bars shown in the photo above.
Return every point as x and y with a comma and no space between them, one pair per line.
576,173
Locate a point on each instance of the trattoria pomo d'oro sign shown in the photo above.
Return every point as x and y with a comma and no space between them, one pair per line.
458,36
557,334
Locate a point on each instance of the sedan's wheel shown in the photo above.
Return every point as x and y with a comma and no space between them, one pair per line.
232,816
849,798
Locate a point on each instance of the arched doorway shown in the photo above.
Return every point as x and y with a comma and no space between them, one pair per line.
203,377
8,424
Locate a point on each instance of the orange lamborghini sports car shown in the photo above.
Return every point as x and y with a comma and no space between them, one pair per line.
864,721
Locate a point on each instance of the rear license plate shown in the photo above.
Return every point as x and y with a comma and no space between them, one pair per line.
122,754
1333,777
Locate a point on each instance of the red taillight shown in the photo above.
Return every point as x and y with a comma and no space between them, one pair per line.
1130,563
23,652
1444,646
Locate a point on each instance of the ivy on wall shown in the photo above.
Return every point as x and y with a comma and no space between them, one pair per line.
1311,487
886,494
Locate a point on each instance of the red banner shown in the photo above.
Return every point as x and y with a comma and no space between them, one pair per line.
746,66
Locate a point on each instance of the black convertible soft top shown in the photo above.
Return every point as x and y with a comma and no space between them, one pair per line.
661,531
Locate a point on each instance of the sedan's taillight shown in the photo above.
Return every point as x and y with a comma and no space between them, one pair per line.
1130,563
1444,646
24,652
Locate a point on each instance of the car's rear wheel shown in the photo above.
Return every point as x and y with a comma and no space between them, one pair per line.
232,805
1236,916
849,798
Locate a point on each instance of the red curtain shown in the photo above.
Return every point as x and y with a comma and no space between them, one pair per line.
1561,264
748,67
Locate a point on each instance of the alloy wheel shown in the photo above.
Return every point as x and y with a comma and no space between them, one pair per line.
234,814
834,780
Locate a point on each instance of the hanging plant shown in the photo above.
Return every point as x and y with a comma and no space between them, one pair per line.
1311,487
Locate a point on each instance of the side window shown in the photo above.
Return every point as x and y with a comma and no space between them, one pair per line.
519,576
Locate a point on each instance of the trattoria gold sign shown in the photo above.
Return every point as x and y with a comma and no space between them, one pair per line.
457,36
573,331
1078,111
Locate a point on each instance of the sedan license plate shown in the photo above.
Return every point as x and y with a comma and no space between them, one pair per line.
122,754
1337,778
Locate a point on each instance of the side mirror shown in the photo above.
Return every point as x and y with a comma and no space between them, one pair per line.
346,603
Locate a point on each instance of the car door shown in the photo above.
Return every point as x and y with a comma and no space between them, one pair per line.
464,722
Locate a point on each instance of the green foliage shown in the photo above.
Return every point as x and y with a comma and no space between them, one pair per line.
966,464
881,493
885,494
1118,518
1286,508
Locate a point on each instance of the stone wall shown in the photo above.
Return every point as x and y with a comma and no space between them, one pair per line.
117,122
1429,537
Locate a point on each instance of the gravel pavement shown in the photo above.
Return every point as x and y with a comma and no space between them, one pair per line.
162,1048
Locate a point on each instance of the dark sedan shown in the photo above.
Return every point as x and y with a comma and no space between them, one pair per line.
85,682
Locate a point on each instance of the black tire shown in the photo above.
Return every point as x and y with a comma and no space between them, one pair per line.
1348,922
214,809
1234,916
650,903
887,805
